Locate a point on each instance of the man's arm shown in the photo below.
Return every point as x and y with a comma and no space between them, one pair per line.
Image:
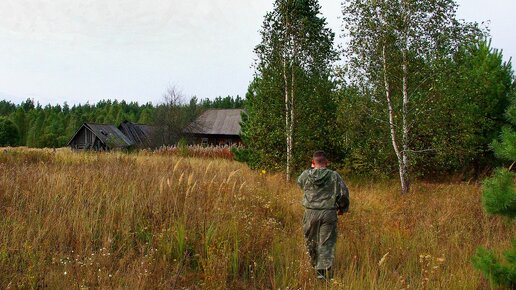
342,196
301,179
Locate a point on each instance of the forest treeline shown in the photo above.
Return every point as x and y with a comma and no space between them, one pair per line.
33,125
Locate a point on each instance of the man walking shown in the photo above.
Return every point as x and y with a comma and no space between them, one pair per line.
325,196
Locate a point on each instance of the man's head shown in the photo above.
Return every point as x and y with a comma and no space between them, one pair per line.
319,159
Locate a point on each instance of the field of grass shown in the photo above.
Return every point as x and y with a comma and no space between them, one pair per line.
111,220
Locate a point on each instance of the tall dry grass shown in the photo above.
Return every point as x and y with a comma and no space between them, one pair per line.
196,151
75,220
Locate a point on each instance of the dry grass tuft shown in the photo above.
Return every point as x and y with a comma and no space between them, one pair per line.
72,220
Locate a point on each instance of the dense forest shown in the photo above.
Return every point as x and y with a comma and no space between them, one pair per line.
33,125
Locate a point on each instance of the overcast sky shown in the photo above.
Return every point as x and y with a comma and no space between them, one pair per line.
77,51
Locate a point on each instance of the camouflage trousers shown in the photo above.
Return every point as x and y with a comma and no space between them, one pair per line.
320,230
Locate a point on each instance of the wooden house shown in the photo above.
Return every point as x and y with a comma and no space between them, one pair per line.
216,127
99,137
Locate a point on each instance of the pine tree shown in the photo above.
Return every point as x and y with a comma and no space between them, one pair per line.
499,197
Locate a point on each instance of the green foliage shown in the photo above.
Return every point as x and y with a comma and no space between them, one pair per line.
227,102
146,116
505,147
294,58
364,138
6,108
457,100
245,155
182,145
395,51
500,274
8,132
263,129
468,101
499,196
19,118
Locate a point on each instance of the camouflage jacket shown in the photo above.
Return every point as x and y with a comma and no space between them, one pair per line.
323,189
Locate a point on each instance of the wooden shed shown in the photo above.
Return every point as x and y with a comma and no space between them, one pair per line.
216,127
99,137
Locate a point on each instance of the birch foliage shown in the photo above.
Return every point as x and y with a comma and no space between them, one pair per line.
290,108
394,52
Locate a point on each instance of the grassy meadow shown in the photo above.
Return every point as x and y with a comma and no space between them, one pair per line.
142,221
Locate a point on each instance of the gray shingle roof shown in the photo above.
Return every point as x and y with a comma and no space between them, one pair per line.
217,122
109,134
139,134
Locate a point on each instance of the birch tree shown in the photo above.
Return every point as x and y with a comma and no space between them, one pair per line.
292,82
394,49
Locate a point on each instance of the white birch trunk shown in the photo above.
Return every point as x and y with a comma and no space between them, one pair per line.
291,102
291,125
287,118
404,170
289,55
392,126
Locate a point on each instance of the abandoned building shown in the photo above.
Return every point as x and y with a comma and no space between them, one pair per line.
99,137
142,136
216,127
